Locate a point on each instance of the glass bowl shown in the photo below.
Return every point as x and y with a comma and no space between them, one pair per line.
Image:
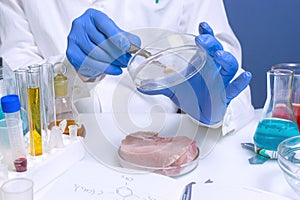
167,62
171,171
289,161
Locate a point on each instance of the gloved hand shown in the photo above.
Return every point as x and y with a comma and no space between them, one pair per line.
206,95
97,45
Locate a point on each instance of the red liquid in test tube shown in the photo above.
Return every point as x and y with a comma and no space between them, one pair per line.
21,164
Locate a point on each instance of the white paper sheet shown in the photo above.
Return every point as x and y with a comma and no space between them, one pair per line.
93,181
213,191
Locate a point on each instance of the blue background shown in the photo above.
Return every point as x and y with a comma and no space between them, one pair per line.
269,33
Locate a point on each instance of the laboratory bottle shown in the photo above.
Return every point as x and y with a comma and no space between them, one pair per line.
11,108
63,104
277,121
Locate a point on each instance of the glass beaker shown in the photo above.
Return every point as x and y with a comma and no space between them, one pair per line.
174,65
295,67
167,62
278,121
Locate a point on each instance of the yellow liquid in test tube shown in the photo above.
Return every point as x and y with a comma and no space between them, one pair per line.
34,119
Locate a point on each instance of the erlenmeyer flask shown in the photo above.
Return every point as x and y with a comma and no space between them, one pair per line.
64,108
278,121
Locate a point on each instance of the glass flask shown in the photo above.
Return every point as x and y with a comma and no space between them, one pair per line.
63,104
295,67
278,121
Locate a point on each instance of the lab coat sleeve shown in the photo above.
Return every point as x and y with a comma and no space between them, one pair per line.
240,110
17,44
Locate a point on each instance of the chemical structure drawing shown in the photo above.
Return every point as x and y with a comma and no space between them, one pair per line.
125,191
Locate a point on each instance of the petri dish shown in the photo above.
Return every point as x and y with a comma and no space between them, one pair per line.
171,171
173,59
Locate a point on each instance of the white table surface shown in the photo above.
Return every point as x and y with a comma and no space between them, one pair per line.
228,164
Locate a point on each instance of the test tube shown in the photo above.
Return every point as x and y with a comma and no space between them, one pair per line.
2,87
34,110
47,100
21,86
11,108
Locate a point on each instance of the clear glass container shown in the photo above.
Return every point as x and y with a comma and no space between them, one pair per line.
34,98
278,121
172,171
295,67
168,61
48,99
21,91
289,161
63,103
11,108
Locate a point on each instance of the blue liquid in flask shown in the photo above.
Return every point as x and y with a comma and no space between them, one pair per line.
271,131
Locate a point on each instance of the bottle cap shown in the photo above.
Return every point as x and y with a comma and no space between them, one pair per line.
10,103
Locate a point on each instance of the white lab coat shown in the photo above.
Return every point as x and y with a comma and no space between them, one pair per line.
35,31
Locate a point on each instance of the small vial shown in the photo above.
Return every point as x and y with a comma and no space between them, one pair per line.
11,108
73,131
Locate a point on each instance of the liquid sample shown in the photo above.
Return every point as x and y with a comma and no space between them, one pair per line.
2,116
20,164
271,131
282,111
296,108
34,118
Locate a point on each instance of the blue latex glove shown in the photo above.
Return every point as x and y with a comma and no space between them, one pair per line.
206,95
97,45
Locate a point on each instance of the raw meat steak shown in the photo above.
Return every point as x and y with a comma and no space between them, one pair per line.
149,149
